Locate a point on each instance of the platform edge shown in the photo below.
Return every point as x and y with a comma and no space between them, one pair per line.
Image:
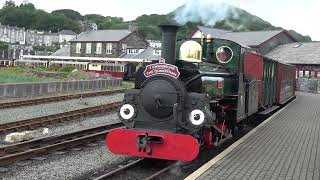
210,163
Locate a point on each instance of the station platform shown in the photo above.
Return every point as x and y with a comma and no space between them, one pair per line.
285,146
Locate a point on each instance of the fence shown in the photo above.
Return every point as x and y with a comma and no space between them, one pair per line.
311,85
42,88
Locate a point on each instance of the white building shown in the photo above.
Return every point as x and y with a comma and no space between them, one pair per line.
156,45
12,34
66,35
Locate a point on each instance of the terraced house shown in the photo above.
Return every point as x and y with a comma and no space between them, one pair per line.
108,43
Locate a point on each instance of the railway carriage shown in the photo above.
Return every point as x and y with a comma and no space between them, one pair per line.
6,63
113,69
180,105
77,65
285,82
31,63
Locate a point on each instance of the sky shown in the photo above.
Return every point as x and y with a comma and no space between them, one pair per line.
299,15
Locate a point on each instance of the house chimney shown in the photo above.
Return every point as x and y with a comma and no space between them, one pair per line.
169,38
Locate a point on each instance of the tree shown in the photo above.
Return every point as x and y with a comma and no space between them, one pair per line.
9,3
3,45
69,13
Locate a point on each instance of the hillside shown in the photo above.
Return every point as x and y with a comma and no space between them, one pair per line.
189,16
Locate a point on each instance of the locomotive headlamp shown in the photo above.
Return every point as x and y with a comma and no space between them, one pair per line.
127,111
196,117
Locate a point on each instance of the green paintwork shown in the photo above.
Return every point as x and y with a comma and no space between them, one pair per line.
234,65
269,81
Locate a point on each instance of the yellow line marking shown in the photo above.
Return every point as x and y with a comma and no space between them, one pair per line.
209,164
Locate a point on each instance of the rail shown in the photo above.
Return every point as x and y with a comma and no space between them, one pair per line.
21,151
56,118
36,101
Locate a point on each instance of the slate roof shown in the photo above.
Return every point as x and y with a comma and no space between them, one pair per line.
212,31
102,36
146,54
297,53
67,32
64,51
250,38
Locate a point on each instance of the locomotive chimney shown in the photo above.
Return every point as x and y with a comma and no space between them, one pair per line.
169,37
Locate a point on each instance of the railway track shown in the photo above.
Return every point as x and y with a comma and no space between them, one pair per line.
36,101
21,151
129,167
37,122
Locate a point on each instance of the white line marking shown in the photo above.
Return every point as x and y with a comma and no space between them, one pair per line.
209,164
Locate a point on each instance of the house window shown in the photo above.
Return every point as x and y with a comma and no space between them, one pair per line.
88,48
109,48
133,51
98,48
78,48
124,47
156,52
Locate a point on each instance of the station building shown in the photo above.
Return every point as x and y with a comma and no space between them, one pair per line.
305,56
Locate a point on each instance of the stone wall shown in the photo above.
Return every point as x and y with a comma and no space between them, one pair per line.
311,85
42,88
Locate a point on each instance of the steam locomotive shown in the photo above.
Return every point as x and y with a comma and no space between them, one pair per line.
178,106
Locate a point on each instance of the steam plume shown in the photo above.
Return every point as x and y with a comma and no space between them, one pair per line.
206,11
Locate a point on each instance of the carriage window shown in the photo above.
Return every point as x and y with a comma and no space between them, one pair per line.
224,54
312,73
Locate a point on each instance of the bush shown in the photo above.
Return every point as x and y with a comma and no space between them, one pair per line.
67,69
54,67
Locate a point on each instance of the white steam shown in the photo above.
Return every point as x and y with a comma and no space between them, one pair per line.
206,11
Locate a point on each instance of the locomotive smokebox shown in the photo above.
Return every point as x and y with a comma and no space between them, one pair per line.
169,38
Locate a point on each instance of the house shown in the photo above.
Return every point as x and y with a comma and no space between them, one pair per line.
148,54
305,56
156,45
261,41
87,26
41,38
12,35
65,36
108,43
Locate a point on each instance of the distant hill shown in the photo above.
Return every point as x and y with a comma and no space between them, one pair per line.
190,15
223,16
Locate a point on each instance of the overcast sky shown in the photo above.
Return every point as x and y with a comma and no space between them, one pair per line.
300,15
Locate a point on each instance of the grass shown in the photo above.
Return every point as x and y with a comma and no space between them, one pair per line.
39,74
19,74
